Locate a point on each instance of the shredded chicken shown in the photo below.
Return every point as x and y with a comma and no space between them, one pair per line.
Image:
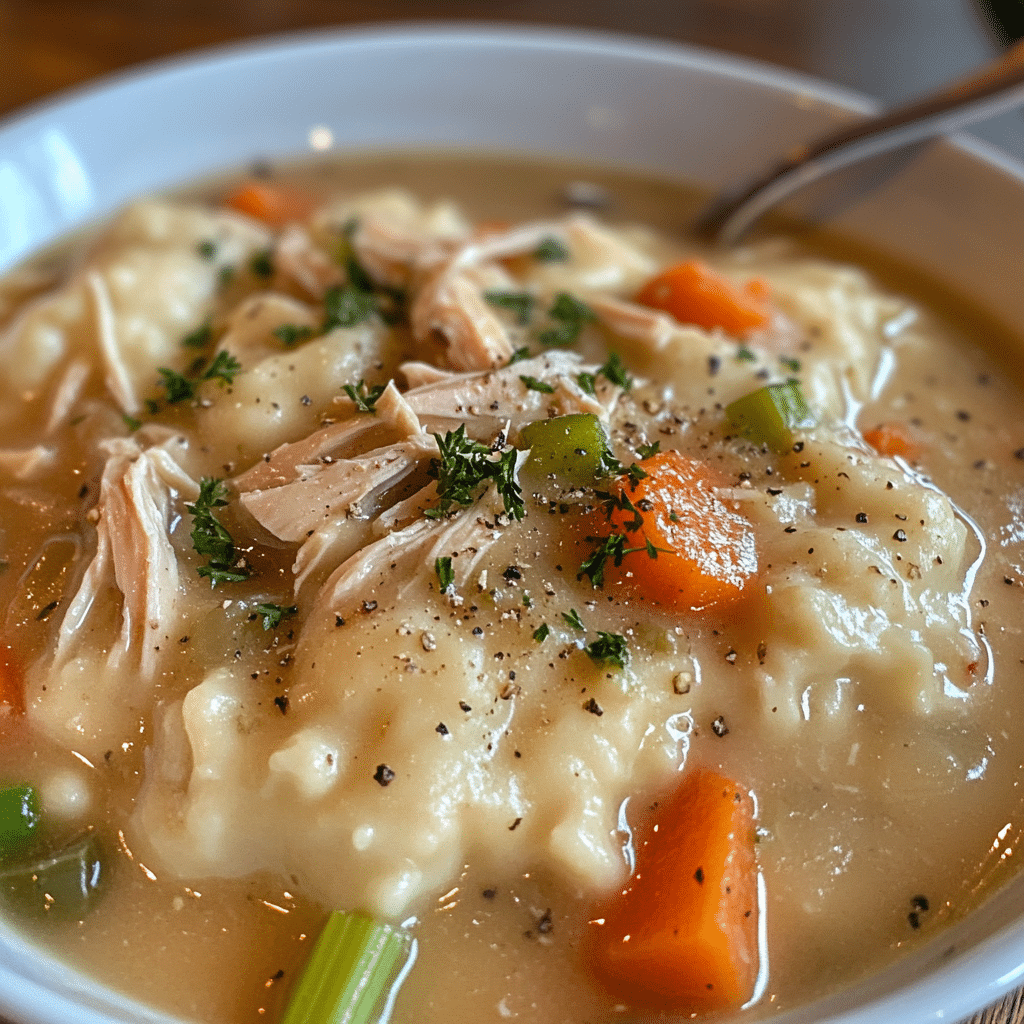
298,259
118,378
134,555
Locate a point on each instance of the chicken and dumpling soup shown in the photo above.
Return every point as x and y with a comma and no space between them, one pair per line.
467,603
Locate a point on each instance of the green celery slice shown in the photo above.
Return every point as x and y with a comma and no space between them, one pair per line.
64,886
354,966
771,414
571,447
19,818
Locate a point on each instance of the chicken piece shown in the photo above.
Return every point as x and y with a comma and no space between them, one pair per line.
299,260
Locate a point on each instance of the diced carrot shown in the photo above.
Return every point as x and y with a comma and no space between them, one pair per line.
705,554
12,684
694,294
273,204
892,439
682,936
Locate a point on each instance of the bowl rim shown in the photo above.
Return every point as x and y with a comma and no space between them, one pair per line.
971,979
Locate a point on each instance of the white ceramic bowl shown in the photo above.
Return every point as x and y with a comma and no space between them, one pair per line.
958,212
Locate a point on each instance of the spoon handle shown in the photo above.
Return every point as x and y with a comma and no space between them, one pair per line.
992,90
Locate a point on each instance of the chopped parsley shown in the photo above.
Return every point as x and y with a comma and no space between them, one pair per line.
445,574
292,334
572,618
745,354
615,370
364,397
200,337
645,451
519,304
225,276
223,368
345,306
207,249
131,423
791,364
519,355
540,634
533,384
551,250
568,316
464,466
609,648
262,264
182,387
211,539
273,613
178,387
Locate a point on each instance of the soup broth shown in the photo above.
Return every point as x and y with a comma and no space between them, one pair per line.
465,712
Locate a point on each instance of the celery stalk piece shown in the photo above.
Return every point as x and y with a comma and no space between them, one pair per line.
64,886
570,447
19,818
354,966
771,414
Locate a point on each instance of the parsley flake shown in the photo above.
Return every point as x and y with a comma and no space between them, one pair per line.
536,385
178,387
207,249
364,397
464,465
745,355
223,368
609,648
519,355
199,338
262,264
615,370
445,574
211,539
568,316
572,618
346,306
645,451
551,250
273,613
292,334
519,304
540,634
791,364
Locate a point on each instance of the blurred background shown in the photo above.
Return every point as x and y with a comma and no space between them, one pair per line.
890,49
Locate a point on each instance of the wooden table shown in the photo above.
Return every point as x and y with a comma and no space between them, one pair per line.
48,45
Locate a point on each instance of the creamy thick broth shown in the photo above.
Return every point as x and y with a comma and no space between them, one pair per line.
884,778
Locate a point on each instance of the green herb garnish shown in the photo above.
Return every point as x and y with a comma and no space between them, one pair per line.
262,264
519,355
533,384
273,613
609,648
645,451
292,334
464,466
572,618
224,368
211,539
199,338
568,315
540,634
587,382
178,387
445,574
364,397
615,370
345,306
207,249
745,354
551,250
131,423
519,304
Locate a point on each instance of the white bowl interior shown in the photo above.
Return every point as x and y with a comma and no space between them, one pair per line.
958,213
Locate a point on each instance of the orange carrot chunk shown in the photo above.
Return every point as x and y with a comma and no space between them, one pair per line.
682,935
704,553
694,294
892,439
273,204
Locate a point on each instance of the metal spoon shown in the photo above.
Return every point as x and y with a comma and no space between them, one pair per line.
892,138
